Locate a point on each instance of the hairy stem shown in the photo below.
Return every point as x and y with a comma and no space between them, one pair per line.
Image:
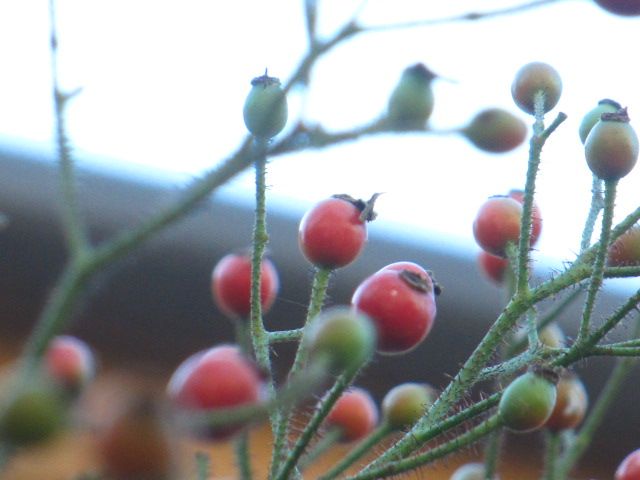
592,216
242,456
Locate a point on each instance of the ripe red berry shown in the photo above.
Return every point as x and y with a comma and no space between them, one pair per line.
231,284
401,304
621,7
217,378
629,469
532,78
493,267
497,224
625,250
69,362
404,404
611,148
528,401
495,130
536,217
355,414
333,233
571,404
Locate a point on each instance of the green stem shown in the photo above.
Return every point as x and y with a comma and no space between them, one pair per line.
469,437
242,456
592,216
532,330
606,350
606,398
329,439
74,229
492,454
322,410
599,261
553,443
358,451
283,336
203,465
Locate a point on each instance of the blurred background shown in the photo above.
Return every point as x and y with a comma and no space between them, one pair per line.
163,85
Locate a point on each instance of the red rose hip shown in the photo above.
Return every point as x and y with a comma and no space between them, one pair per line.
355,414
401,305
497,224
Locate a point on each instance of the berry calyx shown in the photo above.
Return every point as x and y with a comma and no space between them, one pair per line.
401,304
265,109
411,102
592,117
495,130
220,377
231,284
343,336
528,401
404,404
355,414
611,148
533,78
332,234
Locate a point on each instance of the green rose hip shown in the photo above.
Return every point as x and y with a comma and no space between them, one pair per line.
265,109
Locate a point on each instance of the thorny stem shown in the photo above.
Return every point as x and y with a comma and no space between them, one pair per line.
318,293
608,394
491,454
358,451
470,436
73,227
283,336
322,410
592,216
328,440
467,375
598,264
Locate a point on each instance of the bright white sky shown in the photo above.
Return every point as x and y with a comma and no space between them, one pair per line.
164,83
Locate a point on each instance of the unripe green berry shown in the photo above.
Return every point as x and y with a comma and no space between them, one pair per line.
528,401
343,336
33,416
611,148
533,78
593,116
495,130
404,404
265,109
411,102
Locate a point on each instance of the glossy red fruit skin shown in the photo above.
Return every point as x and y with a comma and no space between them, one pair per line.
355,413
621,7
231,285
494,268
69,362
216,378
625,250
497,223
531,78
629,468
536,217
332,234
402,313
